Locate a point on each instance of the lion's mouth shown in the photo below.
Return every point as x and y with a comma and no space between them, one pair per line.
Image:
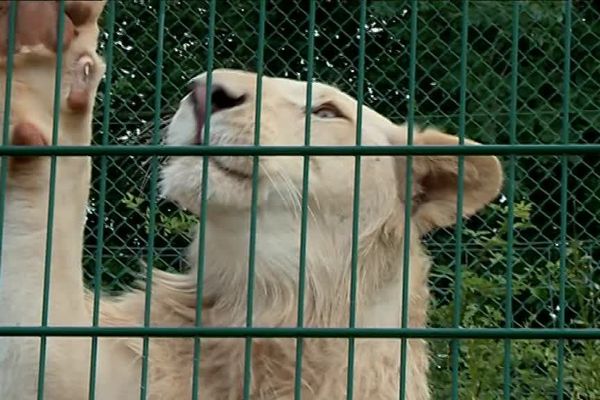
235,173
220,100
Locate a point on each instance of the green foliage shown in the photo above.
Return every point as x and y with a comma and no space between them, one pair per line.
539,117
178,223
534,299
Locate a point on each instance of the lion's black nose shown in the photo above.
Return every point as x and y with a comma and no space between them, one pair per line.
220,98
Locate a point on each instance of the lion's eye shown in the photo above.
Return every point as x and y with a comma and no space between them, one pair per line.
327,111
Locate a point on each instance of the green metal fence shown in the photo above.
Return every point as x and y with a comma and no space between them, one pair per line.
515,289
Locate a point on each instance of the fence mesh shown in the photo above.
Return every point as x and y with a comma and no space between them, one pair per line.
537,179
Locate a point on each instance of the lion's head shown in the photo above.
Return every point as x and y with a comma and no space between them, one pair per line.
333,123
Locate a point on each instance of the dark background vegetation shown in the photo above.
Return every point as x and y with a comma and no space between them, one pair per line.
539,120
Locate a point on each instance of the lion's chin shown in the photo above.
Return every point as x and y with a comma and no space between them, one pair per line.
181,183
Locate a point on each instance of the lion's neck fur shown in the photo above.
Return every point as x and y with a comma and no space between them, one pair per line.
327,301
276,273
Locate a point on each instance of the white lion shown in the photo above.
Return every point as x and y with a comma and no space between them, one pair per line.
229,193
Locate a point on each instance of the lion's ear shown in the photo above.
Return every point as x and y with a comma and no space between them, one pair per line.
435,183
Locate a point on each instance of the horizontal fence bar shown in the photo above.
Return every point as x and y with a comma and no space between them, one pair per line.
294,332
159,150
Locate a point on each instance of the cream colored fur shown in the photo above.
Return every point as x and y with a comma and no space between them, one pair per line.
25,217
174,299
329,240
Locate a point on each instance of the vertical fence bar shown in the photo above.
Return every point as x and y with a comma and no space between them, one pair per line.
508,312
203,198
12,23
459,200
356,201
51,194
408,190
305,198
153,195
564,180
102,197
254,202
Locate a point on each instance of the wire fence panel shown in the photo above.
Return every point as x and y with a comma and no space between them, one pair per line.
513,61
514,289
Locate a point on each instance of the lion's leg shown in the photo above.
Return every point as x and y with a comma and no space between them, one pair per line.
28,190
